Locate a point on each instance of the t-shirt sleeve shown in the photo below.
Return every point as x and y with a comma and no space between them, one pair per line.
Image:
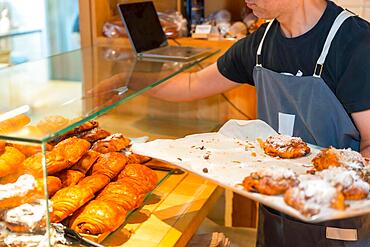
353,88
238,62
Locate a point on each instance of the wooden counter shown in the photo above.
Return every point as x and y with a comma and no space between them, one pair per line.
171,214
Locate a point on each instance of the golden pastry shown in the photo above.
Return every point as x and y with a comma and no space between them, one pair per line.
95,182
67,200
137,159
270,181
94,134
98,217
86,162
70,177
109,164
123,194
147,177
112,143
64,155
81,128
27,218
350,183
2,147
284,146
313,194
54,184
346,158
29,150
10,161
14,124
26,189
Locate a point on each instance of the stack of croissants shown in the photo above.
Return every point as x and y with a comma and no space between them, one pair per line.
90,181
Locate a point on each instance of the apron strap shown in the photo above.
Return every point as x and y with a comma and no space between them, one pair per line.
259,50
344,15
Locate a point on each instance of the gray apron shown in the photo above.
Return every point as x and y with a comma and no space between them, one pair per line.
305,106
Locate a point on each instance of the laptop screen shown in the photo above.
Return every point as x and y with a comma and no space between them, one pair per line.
142,25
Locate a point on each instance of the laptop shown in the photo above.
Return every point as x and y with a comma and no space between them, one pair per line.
146,34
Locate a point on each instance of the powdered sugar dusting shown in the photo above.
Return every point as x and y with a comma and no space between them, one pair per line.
21,187
276,173
316,193
350,159
283,142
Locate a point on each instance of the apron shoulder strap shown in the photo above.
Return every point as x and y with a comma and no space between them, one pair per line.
344,15
259,50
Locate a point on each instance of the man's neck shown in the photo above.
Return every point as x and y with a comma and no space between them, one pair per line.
302,18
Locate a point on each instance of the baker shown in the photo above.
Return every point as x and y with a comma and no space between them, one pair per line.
311,69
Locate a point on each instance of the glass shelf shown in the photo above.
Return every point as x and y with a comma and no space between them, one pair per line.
43,99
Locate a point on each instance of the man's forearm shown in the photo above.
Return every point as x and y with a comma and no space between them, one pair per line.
192,86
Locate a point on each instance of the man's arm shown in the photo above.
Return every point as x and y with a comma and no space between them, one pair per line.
362,121
191,86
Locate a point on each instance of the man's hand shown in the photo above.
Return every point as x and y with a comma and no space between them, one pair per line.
362,121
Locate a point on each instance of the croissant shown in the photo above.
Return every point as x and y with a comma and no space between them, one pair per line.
123,194
67,200
26,189
70,177
145,175
2,147
94,134
85,163
112,143
137,159
98,217
54,184
29,150
64,155
83,127
14,124
109,164
95,182
10,160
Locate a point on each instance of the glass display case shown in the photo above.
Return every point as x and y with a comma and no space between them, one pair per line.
57,116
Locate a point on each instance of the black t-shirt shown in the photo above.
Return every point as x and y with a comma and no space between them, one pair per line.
346,69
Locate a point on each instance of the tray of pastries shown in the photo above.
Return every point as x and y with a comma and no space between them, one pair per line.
310,183
93,183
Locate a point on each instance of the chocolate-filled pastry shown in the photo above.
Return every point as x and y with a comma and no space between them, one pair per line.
98,217
27,218
86,162
353,187
112,143
26,189
54,184
70,177
346,158
147,177
10,161
95,182
76,131
94,135
137,159
2,147
283,146
123,194
311,195
67,200
270,181
109,164
29,150
64,155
